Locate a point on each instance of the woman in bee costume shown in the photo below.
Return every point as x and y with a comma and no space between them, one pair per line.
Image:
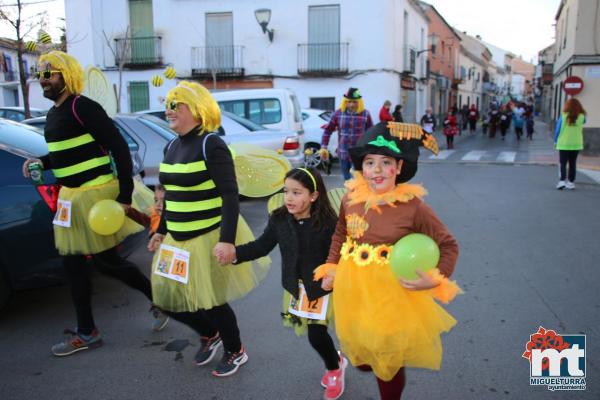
200,219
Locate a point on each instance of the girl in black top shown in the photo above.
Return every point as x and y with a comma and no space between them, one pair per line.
201,217
303,227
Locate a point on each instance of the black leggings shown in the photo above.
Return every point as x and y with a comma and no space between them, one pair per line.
109,263
219,319
323,344
568,157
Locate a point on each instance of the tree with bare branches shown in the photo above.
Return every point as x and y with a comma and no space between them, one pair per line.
13,14
120,54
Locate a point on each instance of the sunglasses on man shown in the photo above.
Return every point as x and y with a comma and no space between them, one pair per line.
47,74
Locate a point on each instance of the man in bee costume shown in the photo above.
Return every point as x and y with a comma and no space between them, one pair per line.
91,162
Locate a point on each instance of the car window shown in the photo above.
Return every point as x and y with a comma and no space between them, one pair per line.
14,115
326,116
22,139
246,123
160,126
236,107
297,109
133,145
264,111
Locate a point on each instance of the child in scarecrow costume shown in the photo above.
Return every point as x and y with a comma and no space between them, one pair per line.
385,323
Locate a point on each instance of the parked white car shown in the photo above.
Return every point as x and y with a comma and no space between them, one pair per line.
271,108
314,122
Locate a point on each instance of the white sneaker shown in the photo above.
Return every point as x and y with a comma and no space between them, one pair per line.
570,185
561,185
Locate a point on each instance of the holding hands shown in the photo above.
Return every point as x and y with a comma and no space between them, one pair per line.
155,241
225,253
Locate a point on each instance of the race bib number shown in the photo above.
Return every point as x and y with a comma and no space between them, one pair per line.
503,118
428,128
172,263
473,113
303,307
63,214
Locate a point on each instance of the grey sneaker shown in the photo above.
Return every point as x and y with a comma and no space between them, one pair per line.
160,319
230,363
77,342
208,348
561,185
570,185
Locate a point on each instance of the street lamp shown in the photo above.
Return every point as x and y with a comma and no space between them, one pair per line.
434,42
263,16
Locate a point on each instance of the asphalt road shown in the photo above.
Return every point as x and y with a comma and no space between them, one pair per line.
529,258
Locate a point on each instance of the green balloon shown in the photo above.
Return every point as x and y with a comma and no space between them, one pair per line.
414,251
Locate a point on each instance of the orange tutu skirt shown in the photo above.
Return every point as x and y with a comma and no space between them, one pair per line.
381,324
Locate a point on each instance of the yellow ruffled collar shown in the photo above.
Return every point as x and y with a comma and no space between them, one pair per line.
359,191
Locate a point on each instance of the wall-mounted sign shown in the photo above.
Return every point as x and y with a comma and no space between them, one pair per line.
573,85
408,83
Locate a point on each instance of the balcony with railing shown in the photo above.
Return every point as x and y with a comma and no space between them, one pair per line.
410,60
322,59
10,76
139,52
222,61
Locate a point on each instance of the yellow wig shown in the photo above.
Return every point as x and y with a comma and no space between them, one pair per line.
203,106
359,109
69,67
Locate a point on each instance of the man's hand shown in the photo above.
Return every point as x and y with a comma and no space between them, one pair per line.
155,241
26,173
423,282
224,252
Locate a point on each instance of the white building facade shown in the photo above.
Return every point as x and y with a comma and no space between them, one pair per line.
318,49
10,86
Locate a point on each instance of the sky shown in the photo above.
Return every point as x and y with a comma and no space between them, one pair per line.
522,27
55,9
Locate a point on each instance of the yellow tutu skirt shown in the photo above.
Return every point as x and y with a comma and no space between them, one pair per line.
300,324
79,238
381,324
209,283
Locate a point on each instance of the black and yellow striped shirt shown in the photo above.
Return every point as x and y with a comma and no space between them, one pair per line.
79,154
201,195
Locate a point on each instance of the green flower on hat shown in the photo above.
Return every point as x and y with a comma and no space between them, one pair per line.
382,142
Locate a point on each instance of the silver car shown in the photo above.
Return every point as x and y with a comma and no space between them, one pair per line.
147,135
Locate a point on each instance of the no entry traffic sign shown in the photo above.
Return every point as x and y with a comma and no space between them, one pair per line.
573,85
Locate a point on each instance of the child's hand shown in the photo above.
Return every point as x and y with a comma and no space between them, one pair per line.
327,282
423,282
224,252
155,241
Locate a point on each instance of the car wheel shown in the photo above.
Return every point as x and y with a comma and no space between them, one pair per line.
313,159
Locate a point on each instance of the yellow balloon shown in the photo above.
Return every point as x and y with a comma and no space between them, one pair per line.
106,217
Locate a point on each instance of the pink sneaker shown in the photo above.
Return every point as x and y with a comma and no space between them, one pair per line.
333,381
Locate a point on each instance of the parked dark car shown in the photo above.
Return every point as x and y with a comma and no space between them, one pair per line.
28,257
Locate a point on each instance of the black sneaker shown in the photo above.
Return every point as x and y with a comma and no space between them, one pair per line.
230,363
208,348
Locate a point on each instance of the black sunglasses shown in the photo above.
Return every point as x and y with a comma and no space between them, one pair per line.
47,74
172,105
